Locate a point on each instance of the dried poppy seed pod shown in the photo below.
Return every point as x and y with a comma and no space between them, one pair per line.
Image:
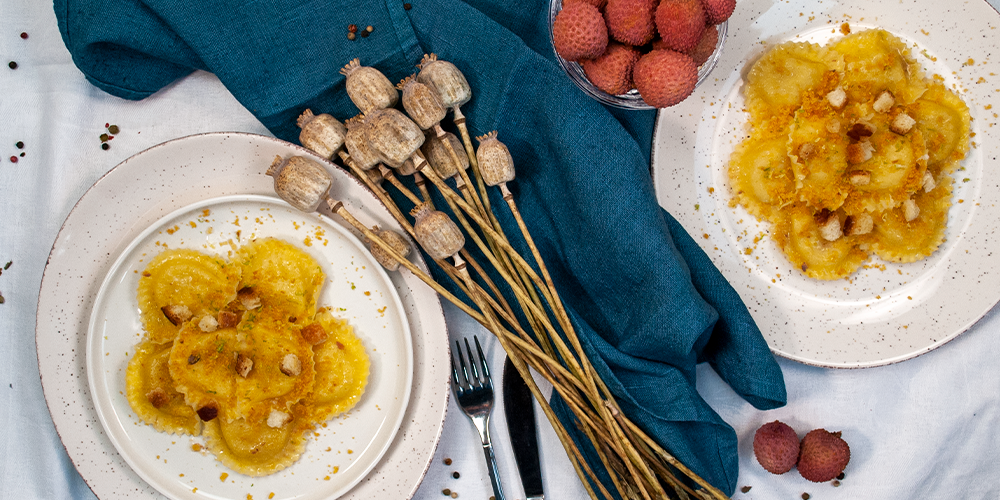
436,232
441,159
300,181
446,79
368,88
407,168
356,143
421,103
395,241
392,136
323,134
495,162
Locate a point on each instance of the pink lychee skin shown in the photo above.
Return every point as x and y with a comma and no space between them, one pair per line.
717,11
680,23
823,455
665,77
631,21
612,71
579,32
596,3
705,46
776,447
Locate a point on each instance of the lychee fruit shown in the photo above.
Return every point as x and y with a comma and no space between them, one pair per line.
823,455
612,71
776,447
705,46
680,23
631,21
596,3
579,32
717,11
664,77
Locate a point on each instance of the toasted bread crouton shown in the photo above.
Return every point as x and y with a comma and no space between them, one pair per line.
910,210
928,182
805,151
858,224
860,131
859,177
859,152
833,126
829,225
883,103
208,412
248,297
228,319
276,419
902,124
243,365
314,334
176,314
837,97
291,365
208,324
157,397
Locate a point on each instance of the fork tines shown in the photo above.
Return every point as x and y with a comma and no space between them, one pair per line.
466,383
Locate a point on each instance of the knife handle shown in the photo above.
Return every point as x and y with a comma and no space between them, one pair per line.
491,464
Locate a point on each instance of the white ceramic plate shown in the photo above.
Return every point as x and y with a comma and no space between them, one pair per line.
122,217
880,315
356,289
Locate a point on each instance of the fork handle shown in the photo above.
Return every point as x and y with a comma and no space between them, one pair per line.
491,464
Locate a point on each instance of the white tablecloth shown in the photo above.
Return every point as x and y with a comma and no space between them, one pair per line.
924,428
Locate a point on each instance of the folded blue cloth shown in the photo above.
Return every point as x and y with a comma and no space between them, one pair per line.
646,301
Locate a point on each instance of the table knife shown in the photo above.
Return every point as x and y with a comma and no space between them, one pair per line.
519,409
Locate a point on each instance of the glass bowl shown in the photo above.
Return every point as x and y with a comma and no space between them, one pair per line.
630,99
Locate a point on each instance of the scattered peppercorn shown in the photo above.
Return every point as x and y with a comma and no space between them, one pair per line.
13,159
113,129
24,35
454,494
447,461
840,476
353,28
104,137
835,483
7,265
805,496
745,489
350,36
455,475
19,144
1,302
407,6
446,492
105,146
12,65
22,154
370,28
364,34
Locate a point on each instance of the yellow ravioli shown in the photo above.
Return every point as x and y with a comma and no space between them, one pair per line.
151,394
798,235
254,448
761,176
341,369
284,277
202,283
897,240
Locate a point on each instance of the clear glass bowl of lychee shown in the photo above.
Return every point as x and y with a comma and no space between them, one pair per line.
638,54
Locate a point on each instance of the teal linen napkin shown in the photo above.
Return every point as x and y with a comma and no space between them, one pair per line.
647,302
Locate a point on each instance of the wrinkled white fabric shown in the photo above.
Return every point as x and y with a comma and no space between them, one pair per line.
923,428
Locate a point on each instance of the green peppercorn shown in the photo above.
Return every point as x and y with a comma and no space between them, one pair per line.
104,137
113,129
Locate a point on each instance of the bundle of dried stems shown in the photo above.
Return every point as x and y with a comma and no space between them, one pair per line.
535,331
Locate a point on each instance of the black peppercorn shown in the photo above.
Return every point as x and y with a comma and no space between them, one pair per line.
364,34
105,146
19,144
407,6
12,65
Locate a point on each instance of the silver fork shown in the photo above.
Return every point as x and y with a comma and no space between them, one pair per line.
475,397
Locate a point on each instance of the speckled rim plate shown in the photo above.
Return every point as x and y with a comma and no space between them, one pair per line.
881,315
356,289
181,174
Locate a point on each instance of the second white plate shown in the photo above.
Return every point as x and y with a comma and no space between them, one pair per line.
887,312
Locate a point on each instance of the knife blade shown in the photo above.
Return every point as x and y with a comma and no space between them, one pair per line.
519,409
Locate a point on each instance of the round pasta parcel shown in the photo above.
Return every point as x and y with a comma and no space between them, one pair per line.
151,393
180,284
280,276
